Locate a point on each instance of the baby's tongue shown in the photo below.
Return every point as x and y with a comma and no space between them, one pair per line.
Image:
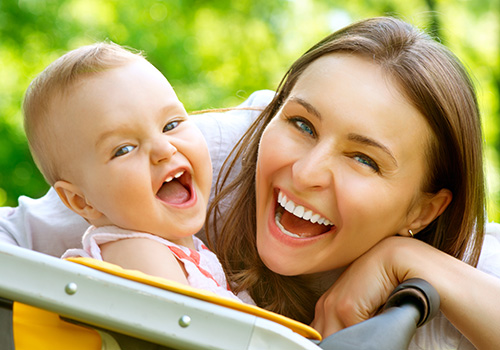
301,227
173,192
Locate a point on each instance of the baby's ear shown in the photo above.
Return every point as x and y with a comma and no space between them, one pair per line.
431,208
74,199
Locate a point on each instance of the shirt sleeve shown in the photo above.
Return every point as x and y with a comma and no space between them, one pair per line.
223,130
43,224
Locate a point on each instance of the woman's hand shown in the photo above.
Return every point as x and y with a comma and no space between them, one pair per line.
358,293
469,297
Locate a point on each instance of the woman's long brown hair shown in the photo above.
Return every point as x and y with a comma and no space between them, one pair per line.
438,85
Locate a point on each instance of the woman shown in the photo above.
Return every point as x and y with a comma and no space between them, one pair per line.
373,133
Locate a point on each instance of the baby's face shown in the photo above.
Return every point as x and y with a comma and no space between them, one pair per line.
134,154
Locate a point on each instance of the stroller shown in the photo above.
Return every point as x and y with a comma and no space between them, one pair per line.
48,303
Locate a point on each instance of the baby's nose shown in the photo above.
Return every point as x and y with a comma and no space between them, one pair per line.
162,150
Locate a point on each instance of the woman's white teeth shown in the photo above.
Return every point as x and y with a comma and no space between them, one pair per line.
176,176
277,219
301,212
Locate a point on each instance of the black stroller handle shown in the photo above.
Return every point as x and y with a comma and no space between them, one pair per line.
410,305
418,292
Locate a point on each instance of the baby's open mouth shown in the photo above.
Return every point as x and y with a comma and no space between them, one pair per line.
176,189
299,222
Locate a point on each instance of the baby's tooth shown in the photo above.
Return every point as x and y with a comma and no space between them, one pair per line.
298,211
179,174
170,178
289,207
307,215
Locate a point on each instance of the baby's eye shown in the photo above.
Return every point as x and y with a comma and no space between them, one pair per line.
123,150
171,125
365,160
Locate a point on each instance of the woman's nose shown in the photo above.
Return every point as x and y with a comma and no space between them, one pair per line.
313,169
162,150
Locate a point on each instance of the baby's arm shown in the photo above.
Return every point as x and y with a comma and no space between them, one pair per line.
145,255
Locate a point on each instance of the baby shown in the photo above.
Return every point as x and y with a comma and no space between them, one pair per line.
110,135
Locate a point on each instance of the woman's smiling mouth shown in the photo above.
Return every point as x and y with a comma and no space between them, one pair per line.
297,221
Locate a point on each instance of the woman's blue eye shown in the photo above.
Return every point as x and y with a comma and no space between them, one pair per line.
123,150
304,127
367,161
171,125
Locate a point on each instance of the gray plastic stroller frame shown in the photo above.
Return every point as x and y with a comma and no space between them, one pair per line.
132,308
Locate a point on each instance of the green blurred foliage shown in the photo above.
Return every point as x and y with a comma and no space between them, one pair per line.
216,52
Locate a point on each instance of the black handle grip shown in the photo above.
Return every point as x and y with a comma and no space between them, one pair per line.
410,305
418,292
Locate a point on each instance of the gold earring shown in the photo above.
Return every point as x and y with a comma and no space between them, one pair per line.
411,233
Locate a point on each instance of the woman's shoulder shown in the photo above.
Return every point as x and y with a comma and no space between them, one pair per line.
44,224
236,118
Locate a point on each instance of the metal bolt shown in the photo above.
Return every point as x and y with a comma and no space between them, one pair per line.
184,321
71,288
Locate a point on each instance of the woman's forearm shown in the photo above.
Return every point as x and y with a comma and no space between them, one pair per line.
470,298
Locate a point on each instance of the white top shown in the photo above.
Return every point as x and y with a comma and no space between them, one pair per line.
47,226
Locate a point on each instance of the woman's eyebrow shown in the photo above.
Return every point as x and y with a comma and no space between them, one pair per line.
371,142
309,107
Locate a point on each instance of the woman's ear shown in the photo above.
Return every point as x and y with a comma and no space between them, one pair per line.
74,199
431,207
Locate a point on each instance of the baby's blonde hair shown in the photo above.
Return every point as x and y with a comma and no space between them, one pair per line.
56,81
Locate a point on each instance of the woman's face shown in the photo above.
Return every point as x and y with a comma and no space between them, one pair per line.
340,167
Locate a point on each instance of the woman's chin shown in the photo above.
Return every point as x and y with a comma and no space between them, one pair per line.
280,266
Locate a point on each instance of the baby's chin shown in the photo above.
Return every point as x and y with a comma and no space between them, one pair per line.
183,227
